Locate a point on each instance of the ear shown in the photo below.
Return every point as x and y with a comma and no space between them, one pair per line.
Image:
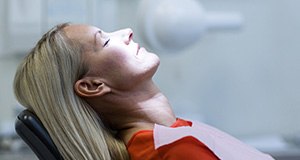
91,87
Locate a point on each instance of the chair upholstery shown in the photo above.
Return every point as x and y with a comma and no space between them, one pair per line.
32,131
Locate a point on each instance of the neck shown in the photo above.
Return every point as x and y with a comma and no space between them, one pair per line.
139,109
146,113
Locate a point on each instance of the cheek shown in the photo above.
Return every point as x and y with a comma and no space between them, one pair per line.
121,59
114,67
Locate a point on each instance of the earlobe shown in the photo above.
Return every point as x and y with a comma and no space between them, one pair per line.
90,87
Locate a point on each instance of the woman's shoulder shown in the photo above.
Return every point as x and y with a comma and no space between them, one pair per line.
142,146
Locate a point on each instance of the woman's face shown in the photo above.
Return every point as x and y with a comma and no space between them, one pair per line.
114,56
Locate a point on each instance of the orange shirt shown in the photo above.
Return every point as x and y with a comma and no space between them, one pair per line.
141,147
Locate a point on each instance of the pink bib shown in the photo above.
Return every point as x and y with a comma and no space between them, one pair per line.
224,146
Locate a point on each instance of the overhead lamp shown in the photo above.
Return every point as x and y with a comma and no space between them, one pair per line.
173,25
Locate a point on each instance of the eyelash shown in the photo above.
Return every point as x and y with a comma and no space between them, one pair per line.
106,42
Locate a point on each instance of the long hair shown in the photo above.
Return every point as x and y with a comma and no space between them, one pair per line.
44,84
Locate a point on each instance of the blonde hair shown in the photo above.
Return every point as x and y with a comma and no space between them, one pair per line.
44,84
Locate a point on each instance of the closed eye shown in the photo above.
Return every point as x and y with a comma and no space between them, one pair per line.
106,42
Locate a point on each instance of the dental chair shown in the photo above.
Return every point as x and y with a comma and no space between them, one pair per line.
32,131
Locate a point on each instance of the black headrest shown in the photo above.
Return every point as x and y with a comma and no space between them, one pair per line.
32,131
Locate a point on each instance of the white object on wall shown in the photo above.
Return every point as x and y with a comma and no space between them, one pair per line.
75,11
2,26
26,20
103,14
24,16
23,24
172,25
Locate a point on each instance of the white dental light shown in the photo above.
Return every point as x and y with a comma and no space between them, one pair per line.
172,25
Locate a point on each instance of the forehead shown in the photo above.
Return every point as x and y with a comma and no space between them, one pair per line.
80,32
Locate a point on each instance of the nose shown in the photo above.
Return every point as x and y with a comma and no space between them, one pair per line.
127,35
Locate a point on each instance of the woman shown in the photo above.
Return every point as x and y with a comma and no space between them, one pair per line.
94,93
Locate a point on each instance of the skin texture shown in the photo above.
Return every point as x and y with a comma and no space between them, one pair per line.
118,84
